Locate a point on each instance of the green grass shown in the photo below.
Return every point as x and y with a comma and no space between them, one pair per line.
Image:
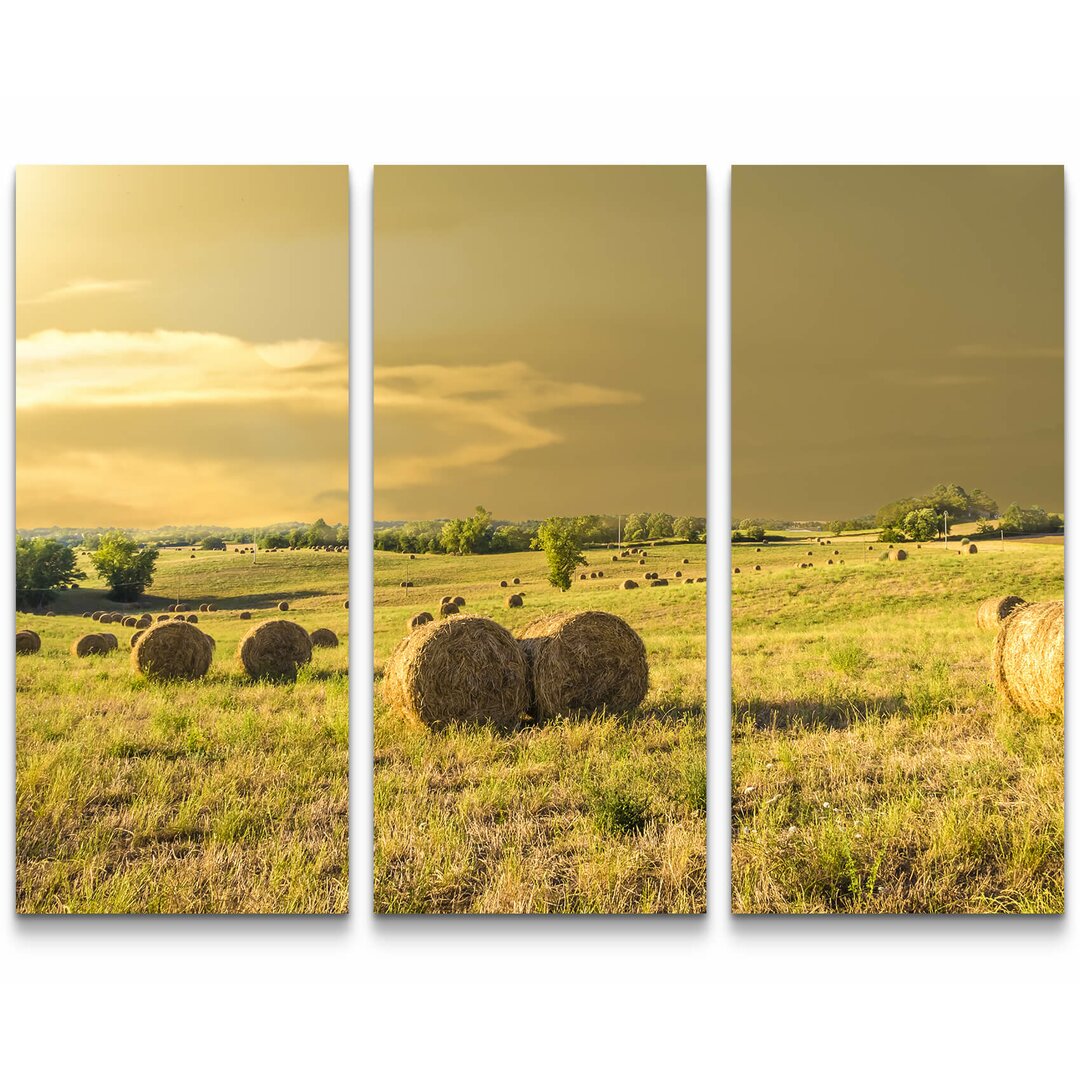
874,769
585,814
221,795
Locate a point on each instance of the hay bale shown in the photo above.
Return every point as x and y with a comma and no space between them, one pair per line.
699,580
323,638
134,640
163,618
346,605
448,609
897,554
828,562
172,650
593,574
503,585
686,562
1029,658
970,550
459,600
283,605
757,549
583,577
735,571
26,642
996,610
211,607
50,614
182,607
275,650
96,615
412,556
465,670
419,619
193,618
584,661
869,547
213,642
89,645
629,583
965,540
517,580
614,558
129,621
447,600
678,573
111,641
599,573
641,562
658,581
204,607
245,614
514,600
757,566
143,622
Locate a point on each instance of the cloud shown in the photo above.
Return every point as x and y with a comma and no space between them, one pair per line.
84,287
470,417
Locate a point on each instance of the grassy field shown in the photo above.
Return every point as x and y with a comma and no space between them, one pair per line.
873,767
221,795
587,814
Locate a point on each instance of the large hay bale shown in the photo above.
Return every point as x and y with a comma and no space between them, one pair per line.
134,640
323,638
283,605
585,660
245,615
172,650
193,618
1029,658
896,554
996,609
629,583
26,642
89,645
514,600
419,619
275,650
448,609
211,607
466,670
110,640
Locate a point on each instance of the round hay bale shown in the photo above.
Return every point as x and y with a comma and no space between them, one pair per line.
193,556
446,600
448,609
735,571
459,600
503,585
686,562
323,638
996,610
629,584
26,642
96,615
211,607
1029,658
800,566
890,547
284,605
33,633
593,574
412,556
756,549
182,607
419,619
869,547
89,645
245,614
583,577
275,650
828,562
658,581
897,554
110,640
809,553
971,549
700,579
514,600
50,614
403,585
614,558
599,573
171,608
346,605
517,581
204,607
757,566
163,618
193,618
465,670
678,573
172,650
143,622
965,540
641,562
129,621
585,661
135,638
105,618
836,551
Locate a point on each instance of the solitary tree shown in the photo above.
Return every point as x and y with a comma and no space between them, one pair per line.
560,540
40,567
213,543
128,568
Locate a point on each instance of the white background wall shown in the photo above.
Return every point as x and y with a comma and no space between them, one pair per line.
550,82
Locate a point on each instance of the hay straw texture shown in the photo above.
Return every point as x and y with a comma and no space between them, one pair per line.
996,609
1029,658
421,618
466,669
172,650
89,645
896,554
323,638
584,660
275,650
26,641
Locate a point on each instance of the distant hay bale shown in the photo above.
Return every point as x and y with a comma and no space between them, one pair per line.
419,619
211,607
283,605
584,661
514,600
464,670
110,640
757,566
503,585
1029,658
193,556
809,553
129,621
446,600
897,554
599,573
95,615
182,607
890,547
735,571
412,556
659,581
828,562
346,605
757,549
171,608
517,581
50,614
965,540
89,645
26,642
323,638
163,618
448,609
135,638
678,573
592,574
686,562
641,562
245,614
968,549
204,607
143,622
614,558
193,618
583,577
459,600
869,547
172,650
996,610
836,551
275,650
629,583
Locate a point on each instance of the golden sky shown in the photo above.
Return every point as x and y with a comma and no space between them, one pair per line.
539,340
181,353
893,328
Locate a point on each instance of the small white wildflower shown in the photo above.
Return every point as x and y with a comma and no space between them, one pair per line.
858,836
826,805
790,829
747,790
769,766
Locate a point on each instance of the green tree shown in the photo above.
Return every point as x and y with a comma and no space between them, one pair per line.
660,525
922,525
213,543
270,541
40,567
127,567
320,533
560,539
636,527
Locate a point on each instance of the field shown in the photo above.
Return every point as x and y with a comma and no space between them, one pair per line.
874,768
585,814
220,795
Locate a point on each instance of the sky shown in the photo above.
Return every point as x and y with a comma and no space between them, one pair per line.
539,341
893,328
182,345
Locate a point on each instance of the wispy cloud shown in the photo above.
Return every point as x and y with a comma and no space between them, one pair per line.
84,287
471,416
